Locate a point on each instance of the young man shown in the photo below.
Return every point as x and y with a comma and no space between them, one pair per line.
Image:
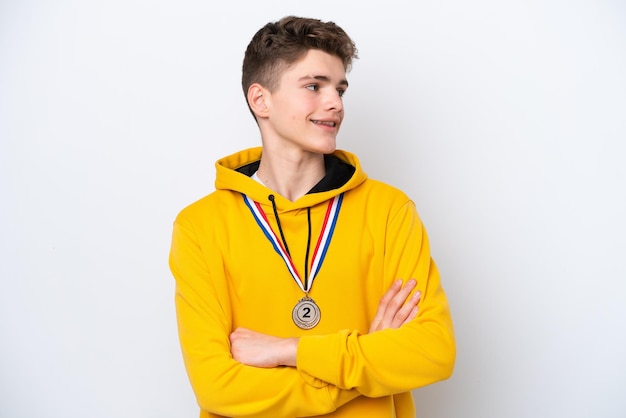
304,288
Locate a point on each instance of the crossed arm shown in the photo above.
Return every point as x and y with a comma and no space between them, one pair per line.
215,356
261,350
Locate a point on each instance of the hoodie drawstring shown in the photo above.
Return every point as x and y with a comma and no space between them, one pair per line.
272,199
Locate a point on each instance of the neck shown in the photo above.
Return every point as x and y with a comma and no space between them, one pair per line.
292,178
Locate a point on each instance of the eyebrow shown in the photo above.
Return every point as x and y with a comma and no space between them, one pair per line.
324,78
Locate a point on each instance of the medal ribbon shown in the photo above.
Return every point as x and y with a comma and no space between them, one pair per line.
323,242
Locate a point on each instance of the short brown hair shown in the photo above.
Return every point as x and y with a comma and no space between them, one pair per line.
279,44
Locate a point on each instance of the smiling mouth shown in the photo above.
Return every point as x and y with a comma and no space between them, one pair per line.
326,123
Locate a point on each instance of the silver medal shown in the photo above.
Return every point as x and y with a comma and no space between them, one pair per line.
306,314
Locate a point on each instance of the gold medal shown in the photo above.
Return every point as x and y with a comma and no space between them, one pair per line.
306,314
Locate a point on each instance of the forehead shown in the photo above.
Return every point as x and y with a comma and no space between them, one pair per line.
316,64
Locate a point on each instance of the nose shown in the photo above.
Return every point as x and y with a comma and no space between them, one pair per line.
333,101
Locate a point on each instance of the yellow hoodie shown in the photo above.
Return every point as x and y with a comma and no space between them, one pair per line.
229,274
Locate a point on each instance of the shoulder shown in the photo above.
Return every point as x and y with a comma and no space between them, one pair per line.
209,208
377,201
381,193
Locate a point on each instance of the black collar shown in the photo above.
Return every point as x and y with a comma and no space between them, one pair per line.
338,172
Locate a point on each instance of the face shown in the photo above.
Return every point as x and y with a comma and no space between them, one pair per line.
306,110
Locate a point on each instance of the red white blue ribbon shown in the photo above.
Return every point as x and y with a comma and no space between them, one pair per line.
321,248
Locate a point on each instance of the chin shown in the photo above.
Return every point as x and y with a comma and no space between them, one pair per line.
327,148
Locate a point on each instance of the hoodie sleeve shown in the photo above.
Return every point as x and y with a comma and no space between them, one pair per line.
222,385
392,360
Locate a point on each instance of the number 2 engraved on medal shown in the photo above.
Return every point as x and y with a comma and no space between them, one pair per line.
306,314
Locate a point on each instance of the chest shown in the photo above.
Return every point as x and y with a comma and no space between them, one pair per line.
342,270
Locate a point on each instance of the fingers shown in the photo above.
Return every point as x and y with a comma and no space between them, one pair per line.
397,310
252,348
241,334
395,307
261,350
382,305
408,310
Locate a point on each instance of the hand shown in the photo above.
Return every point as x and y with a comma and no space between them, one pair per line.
261,350
394,309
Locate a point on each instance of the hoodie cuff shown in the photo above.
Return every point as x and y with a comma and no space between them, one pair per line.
318,358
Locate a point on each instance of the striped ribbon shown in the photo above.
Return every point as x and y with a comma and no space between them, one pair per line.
321,248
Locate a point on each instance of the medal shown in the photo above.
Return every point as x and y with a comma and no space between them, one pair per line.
306,314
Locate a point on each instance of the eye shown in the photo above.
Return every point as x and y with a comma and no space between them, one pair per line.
313,87
341,92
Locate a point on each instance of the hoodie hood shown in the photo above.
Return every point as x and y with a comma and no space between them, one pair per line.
343,173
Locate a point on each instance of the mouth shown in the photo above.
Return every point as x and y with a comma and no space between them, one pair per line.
330,123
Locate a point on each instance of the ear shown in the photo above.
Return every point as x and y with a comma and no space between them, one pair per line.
258,98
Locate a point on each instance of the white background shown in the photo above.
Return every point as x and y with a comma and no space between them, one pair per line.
504,121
